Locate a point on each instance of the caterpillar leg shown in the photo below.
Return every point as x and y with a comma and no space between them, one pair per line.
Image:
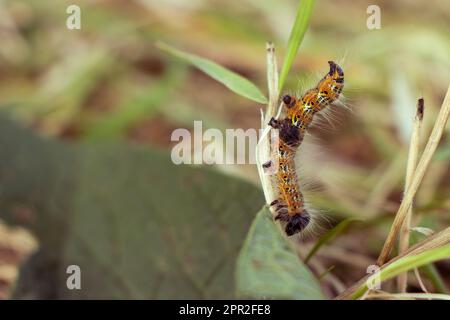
267,166
274,202
280,207
274,123
294,223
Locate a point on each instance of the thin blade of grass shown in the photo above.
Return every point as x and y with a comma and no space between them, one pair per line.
430,270
301,23
330,235
435,277
407,263
228,78
436,241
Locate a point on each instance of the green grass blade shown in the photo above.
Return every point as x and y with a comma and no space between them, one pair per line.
407,263
295,39
430,270
330,235
230,79
435,277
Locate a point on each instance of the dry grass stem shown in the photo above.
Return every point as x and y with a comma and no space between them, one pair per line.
421,169
408,296
263,147
413,155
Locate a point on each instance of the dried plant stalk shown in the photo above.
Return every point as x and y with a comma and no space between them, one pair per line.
413,155
272,83
425,159
408,296
263,147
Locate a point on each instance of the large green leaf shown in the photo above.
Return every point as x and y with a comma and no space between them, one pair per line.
136,224
268,268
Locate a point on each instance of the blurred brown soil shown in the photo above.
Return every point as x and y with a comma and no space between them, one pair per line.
15,245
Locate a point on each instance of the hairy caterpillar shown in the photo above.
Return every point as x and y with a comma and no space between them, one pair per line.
290,205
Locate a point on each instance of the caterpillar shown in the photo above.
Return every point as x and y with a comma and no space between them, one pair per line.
290,205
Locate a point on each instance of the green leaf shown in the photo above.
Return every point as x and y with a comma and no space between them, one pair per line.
330,235
407,263
136,224
269,268
230,79
301,23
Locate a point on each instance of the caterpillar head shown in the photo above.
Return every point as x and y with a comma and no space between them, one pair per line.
330,87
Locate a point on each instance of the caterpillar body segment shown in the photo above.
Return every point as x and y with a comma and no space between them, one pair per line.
290,205
302,110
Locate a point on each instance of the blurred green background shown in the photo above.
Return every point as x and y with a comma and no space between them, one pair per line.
108,82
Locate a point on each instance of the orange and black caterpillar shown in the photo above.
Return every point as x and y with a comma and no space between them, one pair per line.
290,205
